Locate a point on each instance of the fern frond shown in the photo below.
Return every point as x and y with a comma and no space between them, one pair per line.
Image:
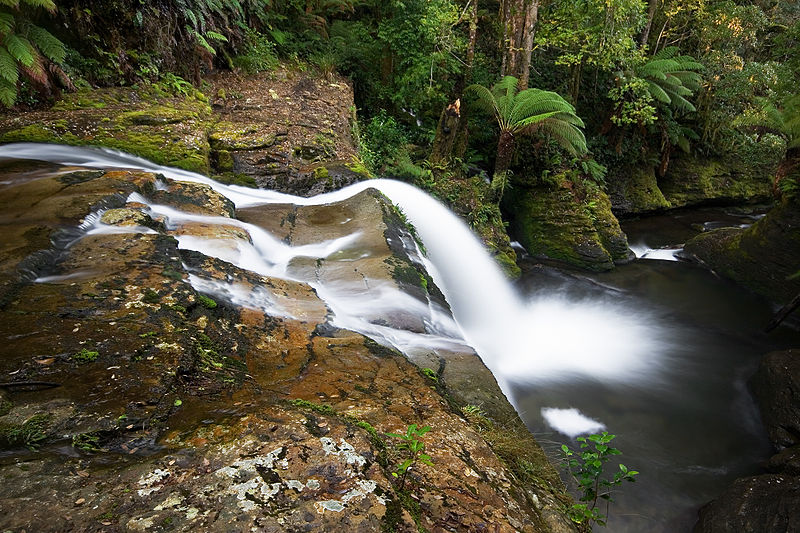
49,5
567,136
36,71
657,92
7,23
8,67
8,93
19,48
216,36
47,44
482,98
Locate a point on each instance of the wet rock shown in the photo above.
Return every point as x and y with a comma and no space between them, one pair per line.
560,224
283,133
197,396
694,180
635,191
752,505
787,461
762,257
776,387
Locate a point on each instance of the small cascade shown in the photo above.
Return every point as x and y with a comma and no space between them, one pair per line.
547,338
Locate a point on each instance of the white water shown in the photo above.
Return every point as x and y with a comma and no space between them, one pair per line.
548,338
571,422
664,254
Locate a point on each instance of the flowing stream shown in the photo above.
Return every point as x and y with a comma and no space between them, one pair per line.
657,352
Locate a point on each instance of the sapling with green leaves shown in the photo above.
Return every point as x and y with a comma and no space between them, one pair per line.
586,466
415,449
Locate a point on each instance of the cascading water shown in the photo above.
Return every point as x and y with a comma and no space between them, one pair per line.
520,341
643,354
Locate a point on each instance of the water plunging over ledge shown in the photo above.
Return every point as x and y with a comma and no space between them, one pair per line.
639,351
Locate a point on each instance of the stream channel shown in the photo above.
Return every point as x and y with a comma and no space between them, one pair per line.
690,427
657,352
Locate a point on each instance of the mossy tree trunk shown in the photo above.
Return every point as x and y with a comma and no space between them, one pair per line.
518,19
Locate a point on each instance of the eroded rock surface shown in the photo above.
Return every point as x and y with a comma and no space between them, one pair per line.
133,402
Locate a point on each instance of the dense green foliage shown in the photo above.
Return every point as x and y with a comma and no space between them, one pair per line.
641,80
26,50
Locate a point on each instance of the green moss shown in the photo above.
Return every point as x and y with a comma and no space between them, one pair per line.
151,297
311,406
224,160
235,178
205,301
85,356
321,173
693,180
229,136
556,225
38,133
89,442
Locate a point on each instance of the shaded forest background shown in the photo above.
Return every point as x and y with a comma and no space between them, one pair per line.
649,78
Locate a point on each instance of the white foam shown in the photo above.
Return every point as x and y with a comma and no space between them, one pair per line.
571,422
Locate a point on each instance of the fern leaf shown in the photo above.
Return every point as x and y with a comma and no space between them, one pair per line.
7,23
9,71
657,92
36,71
216,36
8,93
49,5
47,44
19,48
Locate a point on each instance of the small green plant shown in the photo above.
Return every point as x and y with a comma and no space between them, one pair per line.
88,442
586,467
86,356
415,449
30,434
430,374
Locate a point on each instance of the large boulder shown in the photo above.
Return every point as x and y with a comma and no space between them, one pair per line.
754,505
762,257
694,180
634,191
776,387
568,224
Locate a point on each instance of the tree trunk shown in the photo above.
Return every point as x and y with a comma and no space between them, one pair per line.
446,133
531,18
505,151
652,6
518,19
473,38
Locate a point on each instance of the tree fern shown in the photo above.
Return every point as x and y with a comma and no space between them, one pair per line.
525,112
671,77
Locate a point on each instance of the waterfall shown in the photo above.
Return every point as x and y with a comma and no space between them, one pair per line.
546,338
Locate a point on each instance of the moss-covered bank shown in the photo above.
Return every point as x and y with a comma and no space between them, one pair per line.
147,121
764,257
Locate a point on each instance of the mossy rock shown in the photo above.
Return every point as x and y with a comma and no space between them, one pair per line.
763,257
557,224
167,130
231,137
635,191
693,180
